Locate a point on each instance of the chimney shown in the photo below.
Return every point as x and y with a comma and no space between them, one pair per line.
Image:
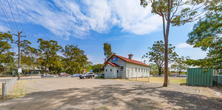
130,56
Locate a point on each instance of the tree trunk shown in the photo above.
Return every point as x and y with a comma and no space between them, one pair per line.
165,84
159,71
166,65
46,63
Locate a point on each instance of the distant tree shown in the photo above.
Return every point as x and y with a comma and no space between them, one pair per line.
28,54
55,64
75,59
180,64
156,54
96,67
88,67
48,50
5,40
175,12
154,68
107,50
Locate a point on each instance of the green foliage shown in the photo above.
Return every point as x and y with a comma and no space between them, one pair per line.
206,35
176,10
75,59
156,54
96,67
49,49
180,64
154,68
102,75
88,67
5,55
107,50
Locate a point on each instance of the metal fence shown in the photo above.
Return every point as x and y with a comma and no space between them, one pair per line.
199,77
7,86
217,80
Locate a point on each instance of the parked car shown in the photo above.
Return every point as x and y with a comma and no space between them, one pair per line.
75,75
86,75
47,75
63,75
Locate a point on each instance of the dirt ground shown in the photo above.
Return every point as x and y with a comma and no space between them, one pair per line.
100,94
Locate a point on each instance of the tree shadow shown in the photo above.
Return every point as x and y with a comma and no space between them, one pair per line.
115,96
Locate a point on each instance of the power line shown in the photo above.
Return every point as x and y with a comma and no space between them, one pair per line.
19,15
12,15
2,7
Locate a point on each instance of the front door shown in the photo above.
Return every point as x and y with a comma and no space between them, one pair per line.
117,73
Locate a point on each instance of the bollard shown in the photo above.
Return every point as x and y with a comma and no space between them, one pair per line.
3,90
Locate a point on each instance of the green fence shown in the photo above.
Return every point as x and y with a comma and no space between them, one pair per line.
197,77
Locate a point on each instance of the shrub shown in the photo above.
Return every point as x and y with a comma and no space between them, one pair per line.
102,75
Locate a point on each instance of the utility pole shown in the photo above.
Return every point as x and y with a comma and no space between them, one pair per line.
19,54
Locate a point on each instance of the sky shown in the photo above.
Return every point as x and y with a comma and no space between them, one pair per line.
124,24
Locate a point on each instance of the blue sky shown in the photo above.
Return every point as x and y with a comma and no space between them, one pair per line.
127,26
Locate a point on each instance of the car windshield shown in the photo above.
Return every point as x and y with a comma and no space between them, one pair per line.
84,73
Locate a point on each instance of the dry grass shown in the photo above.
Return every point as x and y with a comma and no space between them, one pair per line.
173,80
20,88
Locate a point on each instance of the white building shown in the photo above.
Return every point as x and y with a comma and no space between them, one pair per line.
120,67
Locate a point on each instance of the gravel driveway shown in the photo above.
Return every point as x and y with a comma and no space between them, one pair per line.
73,93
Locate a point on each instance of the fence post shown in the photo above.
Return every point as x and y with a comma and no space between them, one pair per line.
3,90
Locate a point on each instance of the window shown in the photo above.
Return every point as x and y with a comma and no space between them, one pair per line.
106,69
110,70
121,68
135,69
141,69
146,70
132,69
138,69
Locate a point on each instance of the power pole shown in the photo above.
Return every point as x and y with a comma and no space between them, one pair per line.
19,54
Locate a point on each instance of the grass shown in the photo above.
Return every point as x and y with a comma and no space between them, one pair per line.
19,89
173,80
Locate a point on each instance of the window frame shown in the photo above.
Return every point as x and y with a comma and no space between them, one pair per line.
121,68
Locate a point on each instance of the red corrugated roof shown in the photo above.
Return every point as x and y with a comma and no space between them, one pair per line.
129,60
126,60
113,64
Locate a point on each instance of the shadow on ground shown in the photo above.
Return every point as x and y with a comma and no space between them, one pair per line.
113,96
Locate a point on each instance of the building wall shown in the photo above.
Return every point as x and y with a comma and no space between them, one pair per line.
134,70
120,63
108,73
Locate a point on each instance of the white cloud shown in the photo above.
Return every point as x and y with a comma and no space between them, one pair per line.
90,57
69,18
184,45
39,35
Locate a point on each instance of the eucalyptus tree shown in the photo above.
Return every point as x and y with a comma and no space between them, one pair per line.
5,46
75,59
156,54
175,12
48,48
107,50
